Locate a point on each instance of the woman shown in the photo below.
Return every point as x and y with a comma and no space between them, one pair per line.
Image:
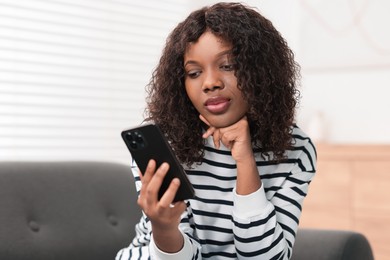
224,93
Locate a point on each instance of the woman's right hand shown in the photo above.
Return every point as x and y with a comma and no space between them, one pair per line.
163,214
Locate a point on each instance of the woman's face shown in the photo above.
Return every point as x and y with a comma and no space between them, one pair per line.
210,81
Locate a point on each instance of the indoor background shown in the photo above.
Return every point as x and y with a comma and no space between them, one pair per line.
73,72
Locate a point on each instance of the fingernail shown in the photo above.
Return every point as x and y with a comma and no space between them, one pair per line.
165,166
149,163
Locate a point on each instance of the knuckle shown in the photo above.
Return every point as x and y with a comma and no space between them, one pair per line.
149,191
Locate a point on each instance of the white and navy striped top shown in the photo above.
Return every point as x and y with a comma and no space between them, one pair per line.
220,224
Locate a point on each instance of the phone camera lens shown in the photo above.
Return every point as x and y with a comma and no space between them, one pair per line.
129,137
133,145
139,139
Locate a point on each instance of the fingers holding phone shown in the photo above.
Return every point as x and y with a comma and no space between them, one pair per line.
152,181
160,211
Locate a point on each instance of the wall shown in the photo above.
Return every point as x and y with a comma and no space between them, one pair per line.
73,73
343,49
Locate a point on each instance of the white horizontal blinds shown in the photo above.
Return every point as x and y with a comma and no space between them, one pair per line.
73,72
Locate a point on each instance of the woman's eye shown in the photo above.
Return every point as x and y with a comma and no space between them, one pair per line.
193,74
227,67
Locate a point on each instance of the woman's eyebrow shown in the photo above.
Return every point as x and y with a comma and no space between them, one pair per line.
218,55
189,62
225,52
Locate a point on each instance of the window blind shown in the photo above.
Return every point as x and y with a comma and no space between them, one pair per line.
73,72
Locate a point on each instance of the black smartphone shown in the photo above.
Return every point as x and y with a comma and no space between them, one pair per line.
147,142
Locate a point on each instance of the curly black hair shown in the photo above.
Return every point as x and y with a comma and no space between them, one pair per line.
266,72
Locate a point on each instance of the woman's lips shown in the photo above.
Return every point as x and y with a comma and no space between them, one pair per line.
217,105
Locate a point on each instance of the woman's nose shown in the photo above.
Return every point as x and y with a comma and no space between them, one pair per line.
212,82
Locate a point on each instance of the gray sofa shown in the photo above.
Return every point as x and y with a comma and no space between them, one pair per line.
87,210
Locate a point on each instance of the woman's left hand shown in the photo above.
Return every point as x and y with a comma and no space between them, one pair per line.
236,137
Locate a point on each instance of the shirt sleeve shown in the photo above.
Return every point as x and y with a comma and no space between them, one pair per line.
185,253
244,203
268,230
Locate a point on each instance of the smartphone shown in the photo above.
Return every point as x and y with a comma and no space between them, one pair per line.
147,142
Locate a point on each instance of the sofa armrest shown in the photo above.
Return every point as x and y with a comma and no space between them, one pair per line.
331,245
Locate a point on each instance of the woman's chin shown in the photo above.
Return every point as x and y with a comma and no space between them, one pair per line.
221,122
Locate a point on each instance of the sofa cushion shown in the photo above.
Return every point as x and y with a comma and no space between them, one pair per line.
322,244
65,210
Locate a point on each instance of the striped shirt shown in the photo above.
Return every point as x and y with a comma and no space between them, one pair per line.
220,224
